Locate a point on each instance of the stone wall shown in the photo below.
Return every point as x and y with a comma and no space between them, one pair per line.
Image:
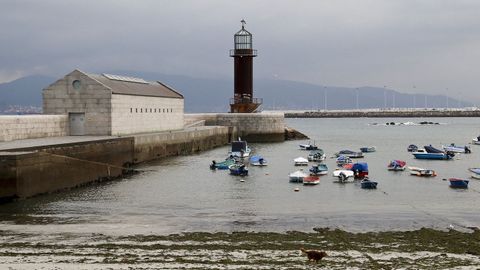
137,114
56,167
19,127
253,127
159,145
92,98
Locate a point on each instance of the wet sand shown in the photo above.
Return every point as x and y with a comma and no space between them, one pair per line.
420,249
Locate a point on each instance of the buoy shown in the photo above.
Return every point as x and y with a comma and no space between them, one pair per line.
296,189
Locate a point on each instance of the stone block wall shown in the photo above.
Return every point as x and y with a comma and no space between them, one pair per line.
19,127
254,127
92,98
159,145
138,114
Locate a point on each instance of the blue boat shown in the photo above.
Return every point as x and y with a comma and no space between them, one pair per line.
360,170
319,169
430,152
238,169
367,184
258,161
458,183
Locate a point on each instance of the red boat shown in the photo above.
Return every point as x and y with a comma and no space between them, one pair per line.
311,180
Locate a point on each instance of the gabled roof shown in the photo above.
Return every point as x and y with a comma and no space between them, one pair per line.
134,86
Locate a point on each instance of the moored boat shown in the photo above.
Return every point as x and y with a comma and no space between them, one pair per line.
343,175
240,149
475,173
360,170
476,140
300,161
223,165
456,148
308,146
297,176
238,169
316,155
311,180
430,152
342,160
368,149
458,183
319,169
349,153
368,184
396,165
422,172
412,148
258,161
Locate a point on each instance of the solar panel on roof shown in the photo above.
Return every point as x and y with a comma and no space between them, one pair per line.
124,78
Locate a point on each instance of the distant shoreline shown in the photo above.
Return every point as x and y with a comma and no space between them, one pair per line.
384,113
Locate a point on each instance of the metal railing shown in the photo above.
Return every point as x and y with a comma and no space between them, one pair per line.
243,52
246,100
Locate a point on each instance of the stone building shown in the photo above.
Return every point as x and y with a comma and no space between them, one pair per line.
113,105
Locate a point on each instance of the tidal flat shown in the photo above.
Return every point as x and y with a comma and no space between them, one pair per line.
419,249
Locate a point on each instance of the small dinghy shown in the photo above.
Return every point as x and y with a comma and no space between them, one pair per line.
360,170
311,180
308,146
412,148
223,165
349,153
476,140
297,176
258,161
316,155
343,175
422,172
457,149
396,165
319,169
238,169
300,161
368,184
475,172
458,183
342,160
368,149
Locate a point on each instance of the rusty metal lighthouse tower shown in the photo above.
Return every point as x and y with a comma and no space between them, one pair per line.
243,53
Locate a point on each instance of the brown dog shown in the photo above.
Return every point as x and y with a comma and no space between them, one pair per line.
314,255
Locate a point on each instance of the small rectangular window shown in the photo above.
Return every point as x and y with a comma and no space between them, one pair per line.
136,110
131,110
155,110
150,109
163,110
141,110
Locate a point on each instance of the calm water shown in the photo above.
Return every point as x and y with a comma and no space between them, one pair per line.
183,194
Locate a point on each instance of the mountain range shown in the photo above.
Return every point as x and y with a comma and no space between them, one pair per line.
212,95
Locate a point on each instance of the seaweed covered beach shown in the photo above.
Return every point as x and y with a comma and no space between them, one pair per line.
419,249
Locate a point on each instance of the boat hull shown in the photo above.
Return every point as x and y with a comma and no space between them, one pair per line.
368,184
434,156
311,180
458,183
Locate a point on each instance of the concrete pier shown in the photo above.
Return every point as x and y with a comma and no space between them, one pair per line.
37,166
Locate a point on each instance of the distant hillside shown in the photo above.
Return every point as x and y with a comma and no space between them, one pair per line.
25,91
212,95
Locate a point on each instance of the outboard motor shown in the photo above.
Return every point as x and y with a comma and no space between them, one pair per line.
212,166
342,177
450,154
467,150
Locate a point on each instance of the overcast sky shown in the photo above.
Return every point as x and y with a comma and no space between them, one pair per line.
433,45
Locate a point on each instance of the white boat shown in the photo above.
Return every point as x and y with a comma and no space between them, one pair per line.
297,176
316,155
456,148
343,175
308,146
240,149
476,140
300,161
421,172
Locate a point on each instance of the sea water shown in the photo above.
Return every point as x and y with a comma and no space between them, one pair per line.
180,194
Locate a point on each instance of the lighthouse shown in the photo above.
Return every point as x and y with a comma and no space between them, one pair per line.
243,54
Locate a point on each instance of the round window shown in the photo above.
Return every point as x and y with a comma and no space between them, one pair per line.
76,84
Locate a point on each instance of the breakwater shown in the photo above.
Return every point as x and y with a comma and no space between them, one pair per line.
383,113
29,169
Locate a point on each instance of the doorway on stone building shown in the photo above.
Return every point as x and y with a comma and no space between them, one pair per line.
77,124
